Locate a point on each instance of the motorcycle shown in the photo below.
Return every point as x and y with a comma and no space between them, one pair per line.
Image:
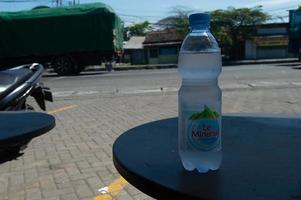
18,126
16,84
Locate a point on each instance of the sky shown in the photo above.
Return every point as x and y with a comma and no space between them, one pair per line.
133,11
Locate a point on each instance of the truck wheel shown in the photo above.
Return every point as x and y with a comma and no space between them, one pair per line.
65,66
80,69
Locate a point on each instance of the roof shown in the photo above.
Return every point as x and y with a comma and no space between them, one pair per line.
135,42
269,25
169,35
163,44
272,25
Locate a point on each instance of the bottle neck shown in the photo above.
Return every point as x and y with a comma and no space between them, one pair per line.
199,28
199,82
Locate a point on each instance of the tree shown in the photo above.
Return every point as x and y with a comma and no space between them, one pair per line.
233,26
138,29
178,20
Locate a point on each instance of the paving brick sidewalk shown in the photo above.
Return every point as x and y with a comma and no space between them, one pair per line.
74,160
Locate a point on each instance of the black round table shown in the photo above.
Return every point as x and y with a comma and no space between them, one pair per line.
21,126
261,160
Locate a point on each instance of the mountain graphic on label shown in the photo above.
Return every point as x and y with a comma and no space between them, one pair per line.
207,113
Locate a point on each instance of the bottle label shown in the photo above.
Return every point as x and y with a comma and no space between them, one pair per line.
203,129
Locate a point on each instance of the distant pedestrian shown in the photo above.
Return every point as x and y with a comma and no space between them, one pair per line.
109,67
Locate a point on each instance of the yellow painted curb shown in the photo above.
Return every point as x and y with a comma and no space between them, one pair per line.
62,109
113,189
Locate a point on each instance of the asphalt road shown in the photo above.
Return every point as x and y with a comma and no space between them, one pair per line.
74,160
141,81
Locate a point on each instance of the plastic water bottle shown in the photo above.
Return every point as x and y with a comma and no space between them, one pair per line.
200,98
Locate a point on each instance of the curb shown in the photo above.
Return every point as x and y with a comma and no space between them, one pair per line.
142,67
170,66
255,62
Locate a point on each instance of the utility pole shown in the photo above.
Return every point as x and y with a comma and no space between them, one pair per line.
74,2
59,3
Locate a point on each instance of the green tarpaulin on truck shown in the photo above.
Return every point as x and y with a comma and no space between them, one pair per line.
50,31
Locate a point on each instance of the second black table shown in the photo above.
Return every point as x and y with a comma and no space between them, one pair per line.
261,160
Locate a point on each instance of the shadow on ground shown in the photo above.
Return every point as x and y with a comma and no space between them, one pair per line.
293,65
6,156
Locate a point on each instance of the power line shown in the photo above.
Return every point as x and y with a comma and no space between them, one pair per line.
139,16
23,1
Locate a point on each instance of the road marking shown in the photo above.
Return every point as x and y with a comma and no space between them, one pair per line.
112,190
62,109
58,78
74,93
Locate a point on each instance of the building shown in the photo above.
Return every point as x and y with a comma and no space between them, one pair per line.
134,51
162,47
268,41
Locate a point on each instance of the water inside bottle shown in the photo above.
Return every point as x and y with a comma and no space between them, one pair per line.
199,65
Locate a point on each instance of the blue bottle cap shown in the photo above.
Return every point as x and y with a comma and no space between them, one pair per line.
199,19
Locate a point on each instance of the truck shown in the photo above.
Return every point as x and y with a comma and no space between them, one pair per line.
66,38
294,45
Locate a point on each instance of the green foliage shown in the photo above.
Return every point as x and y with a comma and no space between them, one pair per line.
178,20
138,29
237,17
182,25
230,26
